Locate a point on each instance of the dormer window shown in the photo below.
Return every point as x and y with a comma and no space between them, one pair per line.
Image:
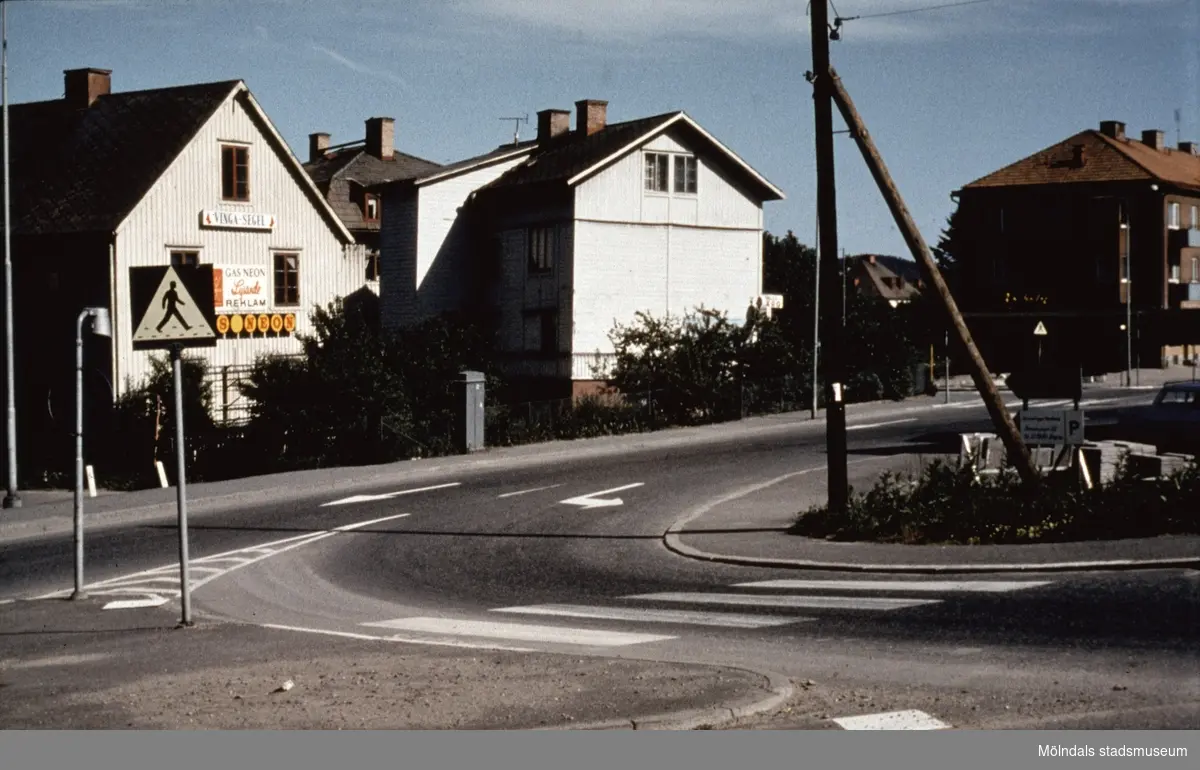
371,207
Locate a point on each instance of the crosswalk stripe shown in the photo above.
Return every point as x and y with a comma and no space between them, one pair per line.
892,720
777,600
915,586
683,617
519,631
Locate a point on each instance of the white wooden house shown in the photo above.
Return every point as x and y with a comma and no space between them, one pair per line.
591,225
190,174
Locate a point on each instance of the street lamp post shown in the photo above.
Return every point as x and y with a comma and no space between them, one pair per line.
101,327
12,499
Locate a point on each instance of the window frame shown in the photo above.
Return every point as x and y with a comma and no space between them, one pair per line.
368,199
542,247
373,266
1195,277
1173,215
281,291
691,174
656,165
229,186
1195,216
184,257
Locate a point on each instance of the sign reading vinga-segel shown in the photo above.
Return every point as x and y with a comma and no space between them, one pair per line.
240,220
242,288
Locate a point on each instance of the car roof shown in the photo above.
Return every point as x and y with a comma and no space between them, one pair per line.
1187,385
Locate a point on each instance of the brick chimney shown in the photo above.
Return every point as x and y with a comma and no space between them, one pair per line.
553,123
1188,147
82,87
1114,129
381,135
318,143
591,115
1153,138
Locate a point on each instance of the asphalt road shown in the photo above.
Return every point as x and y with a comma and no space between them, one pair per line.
534,558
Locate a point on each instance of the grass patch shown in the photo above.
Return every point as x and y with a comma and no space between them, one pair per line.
948,504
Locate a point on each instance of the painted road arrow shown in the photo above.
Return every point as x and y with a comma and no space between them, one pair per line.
592,501
385,495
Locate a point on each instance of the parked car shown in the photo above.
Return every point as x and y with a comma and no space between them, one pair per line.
1171,422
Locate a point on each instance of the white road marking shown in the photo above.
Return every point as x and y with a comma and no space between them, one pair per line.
1095,401
7,601
892,720
527,491
519,632
683,617
864,426
129,604
775,600
387,495
402,639
591,500
916,586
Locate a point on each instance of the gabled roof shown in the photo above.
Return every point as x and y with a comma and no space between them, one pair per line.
357,165
441,173
1100,158
892,277
86,170
572,159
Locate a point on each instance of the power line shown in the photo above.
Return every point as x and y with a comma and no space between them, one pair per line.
910,10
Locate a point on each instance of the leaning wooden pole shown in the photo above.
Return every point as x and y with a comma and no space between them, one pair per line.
1018,453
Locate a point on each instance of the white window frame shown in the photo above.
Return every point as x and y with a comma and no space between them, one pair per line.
1195,216
1173,215
1195,277
690,167
1174,274
656,173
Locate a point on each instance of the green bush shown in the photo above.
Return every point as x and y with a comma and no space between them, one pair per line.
946,504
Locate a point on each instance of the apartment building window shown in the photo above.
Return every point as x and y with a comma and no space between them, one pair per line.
1174,273
287,278
1173,216
657,169
235,173
685,174
185,258
371,207
1195,278
1195,217
543,249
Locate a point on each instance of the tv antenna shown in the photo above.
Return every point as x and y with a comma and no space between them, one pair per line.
1178,122
517,126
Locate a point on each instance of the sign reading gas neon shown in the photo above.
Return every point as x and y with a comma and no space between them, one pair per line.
239,220
241,287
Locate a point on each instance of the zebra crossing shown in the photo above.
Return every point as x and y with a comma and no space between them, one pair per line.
661,610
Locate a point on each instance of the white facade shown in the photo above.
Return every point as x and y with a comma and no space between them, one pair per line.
168,219
424,243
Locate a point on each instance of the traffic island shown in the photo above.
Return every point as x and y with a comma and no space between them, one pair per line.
956,504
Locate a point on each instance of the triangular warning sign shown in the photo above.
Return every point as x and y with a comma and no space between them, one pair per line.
1040,330
173,314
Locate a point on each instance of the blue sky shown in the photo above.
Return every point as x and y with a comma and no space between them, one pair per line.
949,94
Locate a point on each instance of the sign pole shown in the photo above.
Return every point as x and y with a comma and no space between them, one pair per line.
181,485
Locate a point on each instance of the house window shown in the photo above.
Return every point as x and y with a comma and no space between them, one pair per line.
235,173
685,174
287,278
371,208
1195,270
185,258
373,265
1173,215
543,249
1195,217
656,172
1175,273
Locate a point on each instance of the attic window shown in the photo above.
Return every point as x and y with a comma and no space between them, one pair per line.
235,173
371,207
685,174
656,171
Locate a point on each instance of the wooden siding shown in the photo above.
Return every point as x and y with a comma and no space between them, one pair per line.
521,295
617,193
169,217
623,269
444,239
398,259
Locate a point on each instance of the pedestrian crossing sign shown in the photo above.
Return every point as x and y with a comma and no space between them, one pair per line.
165,309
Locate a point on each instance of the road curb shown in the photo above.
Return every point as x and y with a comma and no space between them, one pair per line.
779,686
673,541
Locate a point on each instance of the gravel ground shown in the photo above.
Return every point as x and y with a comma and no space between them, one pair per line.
69,665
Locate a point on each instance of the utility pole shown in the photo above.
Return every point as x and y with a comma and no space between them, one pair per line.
1018,453
833,331
12,499
816,321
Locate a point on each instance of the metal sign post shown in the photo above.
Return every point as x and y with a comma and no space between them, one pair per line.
173,308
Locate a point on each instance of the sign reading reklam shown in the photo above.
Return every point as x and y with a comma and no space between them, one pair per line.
241,288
